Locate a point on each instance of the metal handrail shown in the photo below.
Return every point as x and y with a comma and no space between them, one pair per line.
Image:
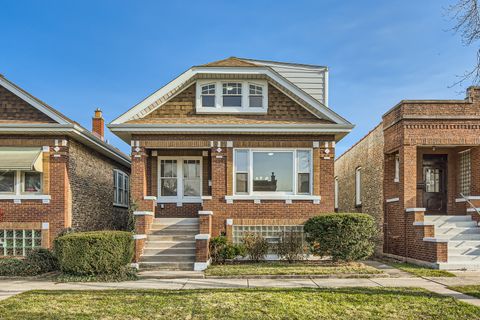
470,203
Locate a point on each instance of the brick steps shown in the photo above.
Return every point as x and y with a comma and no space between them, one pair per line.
170,244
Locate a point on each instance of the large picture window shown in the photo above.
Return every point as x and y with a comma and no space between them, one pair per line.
121,188
180,179
272,171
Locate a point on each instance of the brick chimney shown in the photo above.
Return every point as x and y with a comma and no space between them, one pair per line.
98,124
473,93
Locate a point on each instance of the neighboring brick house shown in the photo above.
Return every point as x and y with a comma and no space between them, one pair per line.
54,174
422,162
364,160
231,146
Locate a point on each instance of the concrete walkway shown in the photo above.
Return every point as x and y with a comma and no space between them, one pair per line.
10,288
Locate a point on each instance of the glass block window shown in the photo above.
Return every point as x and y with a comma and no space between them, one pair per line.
271,233
19,242
465,174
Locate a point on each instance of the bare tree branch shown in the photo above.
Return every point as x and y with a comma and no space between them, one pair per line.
467,23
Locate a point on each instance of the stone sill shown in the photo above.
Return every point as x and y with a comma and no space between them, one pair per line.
17,197
286,198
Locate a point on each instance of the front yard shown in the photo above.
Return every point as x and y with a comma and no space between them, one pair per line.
472,290
420,271
298,268
348,303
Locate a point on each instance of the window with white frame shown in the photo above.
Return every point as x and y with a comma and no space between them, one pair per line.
255,98
397,168
208,95
180,179
336,193
121,188
229,96
17,182
358,186
283,171
232,94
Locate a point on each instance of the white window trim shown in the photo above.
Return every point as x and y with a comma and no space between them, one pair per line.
358,186
280,195
127,200
18,184
179,198
219,108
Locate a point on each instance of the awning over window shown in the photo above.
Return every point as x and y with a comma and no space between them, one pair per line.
21,159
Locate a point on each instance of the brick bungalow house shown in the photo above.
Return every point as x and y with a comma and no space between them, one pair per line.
231,146
54,174
418,173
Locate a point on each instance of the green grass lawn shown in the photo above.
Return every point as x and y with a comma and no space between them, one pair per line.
473,290
284,268
348,303
419,270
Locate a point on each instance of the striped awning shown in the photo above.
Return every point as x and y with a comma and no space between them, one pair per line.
13,158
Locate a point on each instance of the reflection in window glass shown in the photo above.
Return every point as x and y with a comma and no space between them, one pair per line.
273,171
168,178
241,171
7,181
232,94
208,95
191,178
32,182
303,171
256,96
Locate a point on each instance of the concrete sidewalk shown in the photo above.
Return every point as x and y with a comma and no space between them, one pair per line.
10,288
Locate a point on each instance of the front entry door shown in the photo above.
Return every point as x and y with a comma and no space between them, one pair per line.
435,183
180,179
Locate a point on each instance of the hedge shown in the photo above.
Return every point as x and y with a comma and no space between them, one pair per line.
342,236
95,252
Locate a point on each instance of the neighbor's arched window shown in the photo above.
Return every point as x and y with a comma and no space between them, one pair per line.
358,186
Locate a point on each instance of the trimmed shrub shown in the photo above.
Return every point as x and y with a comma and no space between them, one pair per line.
255,245
95,252
221,249
11,267
342,236
43,259
291,247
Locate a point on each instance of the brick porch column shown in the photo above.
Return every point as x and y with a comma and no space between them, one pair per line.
202,240
144,205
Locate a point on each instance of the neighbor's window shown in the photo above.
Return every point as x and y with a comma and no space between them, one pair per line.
32,182
336,193
255,96
358,186
121,185
208,95
397,168
232,94
7,181
267,171
20,182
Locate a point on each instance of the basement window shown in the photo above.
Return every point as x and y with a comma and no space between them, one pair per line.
19,242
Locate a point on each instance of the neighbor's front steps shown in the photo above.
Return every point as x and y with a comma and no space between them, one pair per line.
463,236
170,244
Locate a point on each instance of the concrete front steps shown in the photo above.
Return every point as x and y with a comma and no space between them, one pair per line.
463,237
170,244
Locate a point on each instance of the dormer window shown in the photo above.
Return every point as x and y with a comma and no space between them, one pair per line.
208,95
227,96
256,96
232,94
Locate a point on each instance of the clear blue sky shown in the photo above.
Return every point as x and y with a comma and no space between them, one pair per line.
80,55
